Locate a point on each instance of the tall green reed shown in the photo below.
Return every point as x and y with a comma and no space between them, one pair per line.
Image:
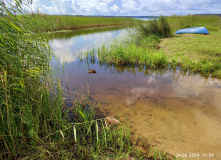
30,108
35,122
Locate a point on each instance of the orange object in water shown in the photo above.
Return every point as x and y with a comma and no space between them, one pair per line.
92,71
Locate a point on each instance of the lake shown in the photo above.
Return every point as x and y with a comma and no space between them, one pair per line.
176,111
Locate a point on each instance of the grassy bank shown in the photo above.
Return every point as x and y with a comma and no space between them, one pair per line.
193,52
140,48
197,53
62,22
178,22
37,121
69,33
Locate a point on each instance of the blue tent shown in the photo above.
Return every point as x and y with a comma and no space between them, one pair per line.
201,30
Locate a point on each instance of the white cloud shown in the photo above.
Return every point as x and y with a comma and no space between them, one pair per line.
102,7
69,50
127,7
114,8
107,1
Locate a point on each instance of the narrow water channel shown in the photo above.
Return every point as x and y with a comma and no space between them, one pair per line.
180,112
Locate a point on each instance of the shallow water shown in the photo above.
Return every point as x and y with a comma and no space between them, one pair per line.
180,112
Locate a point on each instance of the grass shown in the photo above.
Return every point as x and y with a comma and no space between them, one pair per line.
62,22
37,120
178,22
30,103
193,52
140,49
132,54
69,33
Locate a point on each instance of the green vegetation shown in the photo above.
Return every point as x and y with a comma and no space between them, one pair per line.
158,27
36,121
194,52
210,22
61,22
30,103
140,48
66,34
142,54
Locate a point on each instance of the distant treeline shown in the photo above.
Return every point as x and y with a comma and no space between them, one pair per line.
133,16
208,15
120,16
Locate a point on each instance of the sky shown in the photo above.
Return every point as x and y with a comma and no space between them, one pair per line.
127,7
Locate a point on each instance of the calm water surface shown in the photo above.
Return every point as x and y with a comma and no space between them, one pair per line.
177,111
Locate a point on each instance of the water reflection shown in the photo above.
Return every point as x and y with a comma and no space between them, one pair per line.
175,109
80,32
69,50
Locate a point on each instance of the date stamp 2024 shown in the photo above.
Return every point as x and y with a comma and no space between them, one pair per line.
195,155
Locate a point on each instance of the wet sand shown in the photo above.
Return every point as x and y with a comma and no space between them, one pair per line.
178,113
181,116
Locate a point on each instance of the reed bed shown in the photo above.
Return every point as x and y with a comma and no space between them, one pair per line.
30,106
62,22
36,120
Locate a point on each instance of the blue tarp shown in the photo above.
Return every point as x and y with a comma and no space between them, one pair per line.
201,30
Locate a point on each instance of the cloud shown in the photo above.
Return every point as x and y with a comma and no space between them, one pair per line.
69,50
114,8
127,7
